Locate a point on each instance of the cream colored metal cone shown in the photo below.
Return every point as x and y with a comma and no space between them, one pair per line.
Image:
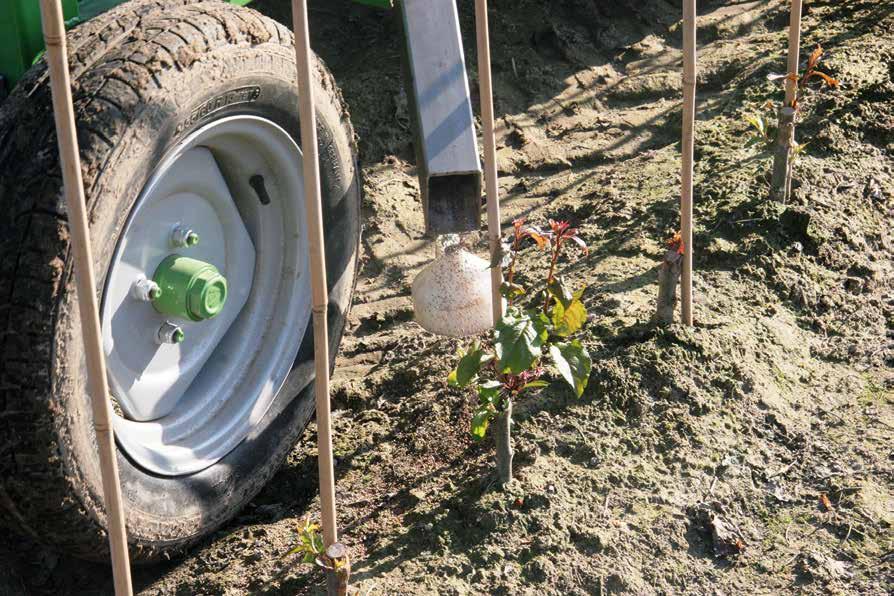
452,295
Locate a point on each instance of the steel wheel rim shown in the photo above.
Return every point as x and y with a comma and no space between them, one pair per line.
182,407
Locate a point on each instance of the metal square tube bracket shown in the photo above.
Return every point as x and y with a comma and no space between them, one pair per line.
438,91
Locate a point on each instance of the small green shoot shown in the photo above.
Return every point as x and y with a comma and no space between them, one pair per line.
310,544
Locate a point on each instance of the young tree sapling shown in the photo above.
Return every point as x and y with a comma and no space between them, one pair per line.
786,147
536,331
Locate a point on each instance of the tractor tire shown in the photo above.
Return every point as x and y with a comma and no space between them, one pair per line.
145,75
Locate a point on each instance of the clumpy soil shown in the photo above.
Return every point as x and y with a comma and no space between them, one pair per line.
750,454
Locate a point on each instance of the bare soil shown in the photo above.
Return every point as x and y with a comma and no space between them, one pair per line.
751,454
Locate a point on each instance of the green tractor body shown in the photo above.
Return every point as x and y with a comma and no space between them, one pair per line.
21,38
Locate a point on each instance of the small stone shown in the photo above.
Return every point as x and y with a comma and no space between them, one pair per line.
820,567
417,495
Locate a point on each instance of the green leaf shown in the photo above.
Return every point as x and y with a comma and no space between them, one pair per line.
534,385
511,291
568,319
480,421
568,313
518,338
489,393
574,364
559,290
310,543
469,366
757,122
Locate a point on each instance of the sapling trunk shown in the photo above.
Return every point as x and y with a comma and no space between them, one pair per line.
668,279
781,182
503,439
338,570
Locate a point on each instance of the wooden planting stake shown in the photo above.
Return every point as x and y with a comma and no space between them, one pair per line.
76,208
319,290
781,181
485,87
689,74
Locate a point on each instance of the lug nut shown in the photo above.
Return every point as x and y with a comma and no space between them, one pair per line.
169,333
184,237
145,290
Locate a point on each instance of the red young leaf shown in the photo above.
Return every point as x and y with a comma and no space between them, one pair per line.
814,59
676,242
826,78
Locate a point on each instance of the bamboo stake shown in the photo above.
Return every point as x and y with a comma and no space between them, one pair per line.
485,85
794,43
320,293
97,384
688,152
781,179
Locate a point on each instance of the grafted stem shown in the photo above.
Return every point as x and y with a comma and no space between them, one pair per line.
781,182
668,279
503,439
338,570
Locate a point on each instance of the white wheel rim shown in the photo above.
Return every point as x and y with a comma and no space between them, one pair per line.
185,406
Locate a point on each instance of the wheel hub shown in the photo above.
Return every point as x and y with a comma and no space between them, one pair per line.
190,288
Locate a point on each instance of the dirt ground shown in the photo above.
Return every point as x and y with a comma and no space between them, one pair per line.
751,454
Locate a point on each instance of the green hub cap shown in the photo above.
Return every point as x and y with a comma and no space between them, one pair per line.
190,288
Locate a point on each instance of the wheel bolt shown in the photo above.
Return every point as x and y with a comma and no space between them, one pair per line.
145,290
169,333
184,237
